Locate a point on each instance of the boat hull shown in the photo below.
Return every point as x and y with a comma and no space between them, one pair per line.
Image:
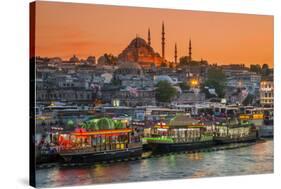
176,147
228,140
266,131
101,156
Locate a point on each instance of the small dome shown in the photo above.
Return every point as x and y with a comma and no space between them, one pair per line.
74,59
163,78
129,65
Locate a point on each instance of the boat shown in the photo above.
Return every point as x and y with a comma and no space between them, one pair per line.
182,133
266,129
235,131
262,118
97,140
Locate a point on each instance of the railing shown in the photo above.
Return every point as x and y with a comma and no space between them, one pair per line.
100,148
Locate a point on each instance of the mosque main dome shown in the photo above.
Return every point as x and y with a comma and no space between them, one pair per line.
141,52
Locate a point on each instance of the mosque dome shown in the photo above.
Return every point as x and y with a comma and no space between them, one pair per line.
138,42
140,51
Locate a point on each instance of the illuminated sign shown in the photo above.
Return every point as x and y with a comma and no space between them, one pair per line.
103,132
258,116
244,117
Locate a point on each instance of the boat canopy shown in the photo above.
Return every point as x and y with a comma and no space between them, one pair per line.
103,123
183,121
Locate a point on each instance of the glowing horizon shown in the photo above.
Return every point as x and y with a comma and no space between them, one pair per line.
64,29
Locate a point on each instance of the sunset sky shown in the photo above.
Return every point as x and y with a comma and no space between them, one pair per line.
64,29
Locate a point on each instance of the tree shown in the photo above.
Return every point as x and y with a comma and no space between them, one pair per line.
184,61
165,91
163,64
265,70
216,75
214,85
184,86
216,80
255,68
110,59
248,100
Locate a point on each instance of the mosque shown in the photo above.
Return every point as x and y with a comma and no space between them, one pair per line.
141,52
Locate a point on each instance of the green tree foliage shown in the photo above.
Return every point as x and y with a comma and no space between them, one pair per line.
184,61
165,91
110,59
255,68
265,70
184,86
70,123
216,74
163,64
115,82
215,79
248,100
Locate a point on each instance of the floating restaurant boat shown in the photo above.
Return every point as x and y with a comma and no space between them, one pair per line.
262,118
234,131
98,140
182,133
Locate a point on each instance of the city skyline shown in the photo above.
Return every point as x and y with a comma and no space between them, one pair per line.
64,29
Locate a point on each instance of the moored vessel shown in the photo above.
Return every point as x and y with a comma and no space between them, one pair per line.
181,133
101,139
235,131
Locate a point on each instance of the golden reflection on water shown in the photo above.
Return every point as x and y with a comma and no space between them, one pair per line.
195,156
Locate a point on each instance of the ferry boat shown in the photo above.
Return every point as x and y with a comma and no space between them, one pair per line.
100,139
182,133
235,131
262,118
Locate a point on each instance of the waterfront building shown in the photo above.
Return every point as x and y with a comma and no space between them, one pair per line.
267,92
189,97
247,80
234,69
136,97
130,74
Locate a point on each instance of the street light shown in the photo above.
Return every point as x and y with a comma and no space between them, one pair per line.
194,82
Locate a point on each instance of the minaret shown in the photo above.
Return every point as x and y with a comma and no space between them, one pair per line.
137,49
163,41
176,55
148,37
190,49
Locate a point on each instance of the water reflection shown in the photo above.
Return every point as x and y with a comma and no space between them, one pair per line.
249,160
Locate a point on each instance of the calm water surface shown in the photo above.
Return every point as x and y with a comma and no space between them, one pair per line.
255,159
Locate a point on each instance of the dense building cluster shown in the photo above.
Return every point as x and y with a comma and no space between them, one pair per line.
132,78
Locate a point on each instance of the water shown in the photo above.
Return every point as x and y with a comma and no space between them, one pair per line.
255,159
